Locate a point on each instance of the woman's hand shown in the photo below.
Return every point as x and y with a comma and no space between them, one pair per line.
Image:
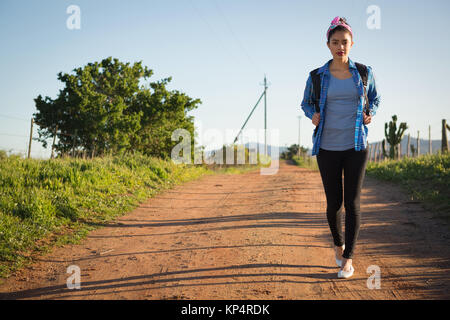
367,118
316,118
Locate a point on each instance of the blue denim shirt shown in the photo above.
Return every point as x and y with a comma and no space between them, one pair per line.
361,130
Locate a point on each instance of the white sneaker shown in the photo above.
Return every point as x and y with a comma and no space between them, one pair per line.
346,274
338,262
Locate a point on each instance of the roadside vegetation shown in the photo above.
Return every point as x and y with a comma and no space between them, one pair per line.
44,203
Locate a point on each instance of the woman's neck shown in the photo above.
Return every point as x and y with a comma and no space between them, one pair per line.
339,64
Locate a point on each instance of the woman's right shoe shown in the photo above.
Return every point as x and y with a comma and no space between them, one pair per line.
346,274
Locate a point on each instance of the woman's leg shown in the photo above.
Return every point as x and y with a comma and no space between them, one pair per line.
354,172
330,166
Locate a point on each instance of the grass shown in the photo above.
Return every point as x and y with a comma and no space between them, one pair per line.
425,178
45,203
306,162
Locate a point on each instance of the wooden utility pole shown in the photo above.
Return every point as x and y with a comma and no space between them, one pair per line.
31,136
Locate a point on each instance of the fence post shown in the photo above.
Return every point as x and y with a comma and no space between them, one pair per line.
408,146
418,144
31,135
73,144
429,140
444,142
375,148
54,138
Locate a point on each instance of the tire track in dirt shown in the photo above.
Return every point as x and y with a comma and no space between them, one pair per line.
248,236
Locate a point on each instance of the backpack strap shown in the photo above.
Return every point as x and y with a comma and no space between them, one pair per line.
316,88
362,69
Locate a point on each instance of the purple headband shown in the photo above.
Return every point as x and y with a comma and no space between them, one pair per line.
336,23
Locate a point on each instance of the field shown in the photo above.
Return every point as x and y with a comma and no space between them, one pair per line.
425,179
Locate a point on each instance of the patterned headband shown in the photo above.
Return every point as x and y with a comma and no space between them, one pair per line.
336,23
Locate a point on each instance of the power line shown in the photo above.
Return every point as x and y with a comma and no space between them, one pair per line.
13,117
235,37
212,30
12,135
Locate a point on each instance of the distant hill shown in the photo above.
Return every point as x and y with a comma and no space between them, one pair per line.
435,146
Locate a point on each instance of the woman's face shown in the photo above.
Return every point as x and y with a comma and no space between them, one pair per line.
340,45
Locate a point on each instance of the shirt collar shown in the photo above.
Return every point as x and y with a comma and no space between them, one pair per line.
325,69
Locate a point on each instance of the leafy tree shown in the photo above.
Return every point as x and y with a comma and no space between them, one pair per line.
293,151
105,108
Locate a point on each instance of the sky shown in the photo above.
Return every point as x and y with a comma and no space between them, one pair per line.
220,50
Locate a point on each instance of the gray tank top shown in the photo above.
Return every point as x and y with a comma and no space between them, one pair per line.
340,115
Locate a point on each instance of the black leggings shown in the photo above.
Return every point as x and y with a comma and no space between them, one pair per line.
330,165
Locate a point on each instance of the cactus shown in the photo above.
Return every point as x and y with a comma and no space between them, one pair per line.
394,136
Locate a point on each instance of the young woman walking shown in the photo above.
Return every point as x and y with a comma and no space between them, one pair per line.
340,139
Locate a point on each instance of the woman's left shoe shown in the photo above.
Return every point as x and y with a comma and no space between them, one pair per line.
346,274
338,261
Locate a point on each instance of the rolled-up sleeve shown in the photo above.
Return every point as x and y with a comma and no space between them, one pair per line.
307,102
372,93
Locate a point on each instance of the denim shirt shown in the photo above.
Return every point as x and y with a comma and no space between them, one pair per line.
361,130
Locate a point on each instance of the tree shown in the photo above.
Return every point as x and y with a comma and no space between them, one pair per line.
105,107
293,151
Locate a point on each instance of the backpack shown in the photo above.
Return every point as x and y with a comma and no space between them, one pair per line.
362,69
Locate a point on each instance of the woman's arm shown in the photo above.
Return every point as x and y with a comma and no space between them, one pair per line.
307,102
372,94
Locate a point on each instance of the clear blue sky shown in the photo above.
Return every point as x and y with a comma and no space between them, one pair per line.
219,51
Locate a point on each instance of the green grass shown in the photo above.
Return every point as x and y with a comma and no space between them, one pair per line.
306,162
425,178
44,203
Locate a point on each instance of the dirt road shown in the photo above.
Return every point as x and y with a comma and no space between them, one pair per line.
249,236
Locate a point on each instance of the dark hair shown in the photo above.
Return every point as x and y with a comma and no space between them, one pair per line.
339,28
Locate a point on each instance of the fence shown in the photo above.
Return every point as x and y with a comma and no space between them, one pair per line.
411,146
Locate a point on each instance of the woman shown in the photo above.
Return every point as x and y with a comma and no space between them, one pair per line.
340,141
